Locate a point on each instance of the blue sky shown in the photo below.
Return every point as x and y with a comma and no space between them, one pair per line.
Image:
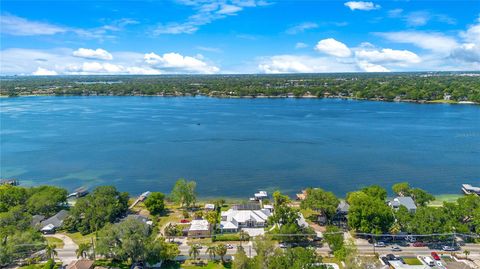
233,36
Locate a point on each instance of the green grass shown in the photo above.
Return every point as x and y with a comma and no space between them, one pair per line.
412,261
58,243
110,264
78,238
188,265
439,199
31,266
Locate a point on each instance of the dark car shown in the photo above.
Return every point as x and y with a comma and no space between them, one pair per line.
419,244
385,261
391,257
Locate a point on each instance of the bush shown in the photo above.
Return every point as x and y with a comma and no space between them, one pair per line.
49,264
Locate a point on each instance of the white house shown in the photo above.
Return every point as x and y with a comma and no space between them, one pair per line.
233,220
199,228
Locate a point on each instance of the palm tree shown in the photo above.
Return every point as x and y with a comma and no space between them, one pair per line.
50,252
221,251
243,235
194,251
211,251
82,250
466,252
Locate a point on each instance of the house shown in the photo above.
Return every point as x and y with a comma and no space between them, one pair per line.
50,225
36,220
80,264
209,207
236,218
139,218
199,229
406,201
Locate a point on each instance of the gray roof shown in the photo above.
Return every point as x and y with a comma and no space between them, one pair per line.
405,201
56,220
343,207
247,206
37,219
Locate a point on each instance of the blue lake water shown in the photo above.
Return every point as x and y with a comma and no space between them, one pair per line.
233,147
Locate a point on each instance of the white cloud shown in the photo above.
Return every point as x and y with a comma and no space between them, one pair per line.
229,9
388,56
209,49
176,63
333,47
300,45
300,28
62,62
100,54
302,64
360,5
436,42
18,26
44,72
470,50
206,11
369,67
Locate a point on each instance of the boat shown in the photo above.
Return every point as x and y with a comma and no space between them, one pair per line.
79,192
469,189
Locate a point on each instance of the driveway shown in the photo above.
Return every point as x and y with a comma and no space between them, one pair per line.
67,253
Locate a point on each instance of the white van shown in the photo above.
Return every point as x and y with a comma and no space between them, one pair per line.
429,261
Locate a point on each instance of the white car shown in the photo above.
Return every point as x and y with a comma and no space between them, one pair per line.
395,248
380,245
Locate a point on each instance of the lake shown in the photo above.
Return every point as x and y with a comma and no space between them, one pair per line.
234,147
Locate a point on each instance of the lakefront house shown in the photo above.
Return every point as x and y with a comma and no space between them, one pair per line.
244,216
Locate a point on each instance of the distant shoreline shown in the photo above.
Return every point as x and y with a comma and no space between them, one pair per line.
449,102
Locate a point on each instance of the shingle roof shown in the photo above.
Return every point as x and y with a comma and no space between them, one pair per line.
80,264
405,201
56,220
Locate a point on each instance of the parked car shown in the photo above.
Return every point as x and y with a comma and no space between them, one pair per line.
184,221
419,244
435,256
380,244
395,248
282,245
385,261
450,248
229,246
391,257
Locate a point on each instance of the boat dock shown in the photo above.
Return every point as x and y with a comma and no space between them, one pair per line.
469,189
141,198
12,181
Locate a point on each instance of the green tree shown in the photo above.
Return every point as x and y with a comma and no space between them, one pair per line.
46,200
221,251
321,201
368,214
104,205
421,197
83,249
155,203
334,237
11,196
194,252
375,191
295,258
50,252
212,252
241,261
402,189
127,240
184,192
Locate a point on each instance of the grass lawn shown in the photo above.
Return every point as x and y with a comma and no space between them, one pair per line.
412,261
58,243
78,238
439,199
110,264
188,265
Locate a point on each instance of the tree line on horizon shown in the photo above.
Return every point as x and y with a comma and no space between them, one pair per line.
406,86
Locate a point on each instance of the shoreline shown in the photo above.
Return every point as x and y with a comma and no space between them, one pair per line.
434,102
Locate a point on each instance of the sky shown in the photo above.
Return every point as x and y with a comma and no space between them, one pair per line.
237,36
